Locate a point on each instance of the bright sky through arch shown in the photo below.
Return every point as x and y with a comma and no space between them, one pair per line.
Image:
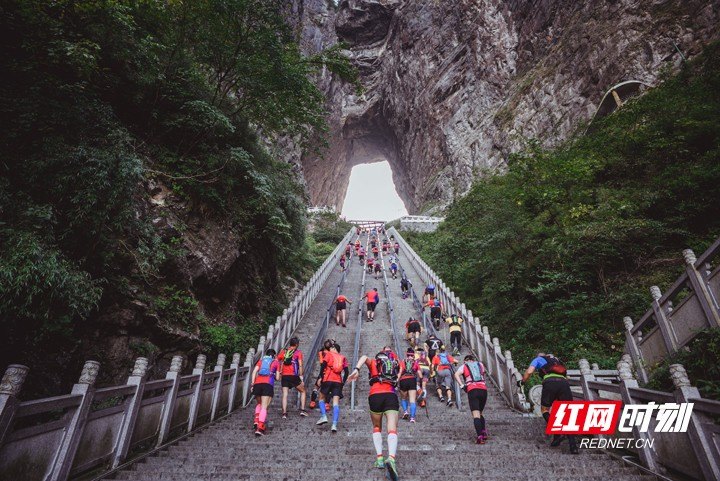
371,194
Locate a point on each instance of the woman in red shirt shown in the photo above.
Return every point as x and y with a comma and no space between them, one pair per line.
383,401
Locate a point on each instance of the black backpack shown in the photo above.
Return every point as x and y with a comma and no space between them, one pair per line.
553,366
387,368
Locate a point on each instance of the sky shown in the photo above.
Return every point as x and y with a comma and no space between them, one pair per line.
371,194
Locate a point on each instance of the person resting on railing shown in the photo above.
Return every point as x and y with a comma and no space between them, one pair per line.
264,374
471,378
383,373
555,387
443,375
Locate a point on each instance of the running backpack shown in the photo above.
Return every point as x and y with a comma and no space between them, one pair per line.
334,362
387,368
411,367
434,344
454,321
476,372
553,366
288,357
444,361
265,366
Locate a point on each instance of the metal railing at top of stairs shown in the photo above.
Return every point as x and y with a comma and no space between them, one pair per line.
141,413
429,328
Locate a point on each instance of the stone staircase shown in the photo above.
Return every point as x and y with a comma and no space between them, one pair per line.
439,445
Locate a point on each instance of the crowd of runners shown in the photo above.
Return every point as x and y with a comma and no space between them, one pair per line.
398,381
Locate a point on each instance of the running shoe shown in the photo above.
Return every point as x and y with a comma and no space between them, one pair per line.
334,428
284,416
303,413
406,415
379,463
450,403
442,399
412,419
557,439
480,440
323,420
391,469
484,435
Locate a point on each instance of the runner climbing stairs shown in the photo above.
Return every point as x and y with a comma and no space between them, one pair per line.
439,444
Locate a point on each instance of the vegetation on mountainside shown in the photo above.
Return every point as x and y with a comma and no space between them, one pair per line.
100,98
552,254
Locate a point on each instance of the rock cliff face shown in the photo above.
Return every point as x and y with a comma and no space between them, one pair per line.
453,87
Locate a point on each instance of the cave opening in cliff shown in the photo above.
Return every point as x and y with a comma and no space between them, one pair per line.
371,194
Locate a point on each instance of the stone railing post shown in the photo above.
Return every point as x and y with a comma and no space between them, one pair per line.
487,345
704,449
170,398
232,393
217,391
634,349
250,364
509,370
701,289
12,382
199,371
65,455
498,372
663,323
628,381
137,378
586,375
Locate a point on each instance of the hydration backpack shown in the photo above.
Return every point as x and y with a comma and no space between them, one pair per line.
334,362
387,368
410,366
265,366
553,366
454,321
288,357
444,361
476,372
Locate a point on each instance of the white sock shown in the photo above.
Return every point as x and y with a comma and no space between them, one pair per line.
377,441
392,443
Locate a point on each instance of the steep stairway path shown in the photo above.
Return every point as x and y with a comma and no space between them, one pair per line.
441,440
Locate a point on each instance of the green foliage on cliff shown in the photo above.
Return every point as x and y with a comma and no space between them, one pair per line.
100,97
552,254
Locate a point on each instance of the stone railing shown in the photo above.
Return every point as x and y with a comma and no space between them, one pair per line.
667,327
693,453
499,365
95,429
420,223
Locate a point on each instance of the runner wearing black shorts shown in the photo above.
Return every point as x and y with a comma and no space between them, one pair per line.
382,401
471,378
408,384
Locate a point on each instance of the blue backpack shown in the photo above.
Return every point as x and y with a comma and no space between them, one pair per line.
444,361
265,366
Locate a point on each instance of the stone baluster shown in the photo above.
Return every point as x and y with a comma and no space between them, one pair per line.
631,345
217,391
232,395
496,356
707,302
511,383
476,333
250,365
196,400
663,322
702,442
170,399
627,382
132,408
261,347
85,387
12,382
586,375
595,366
